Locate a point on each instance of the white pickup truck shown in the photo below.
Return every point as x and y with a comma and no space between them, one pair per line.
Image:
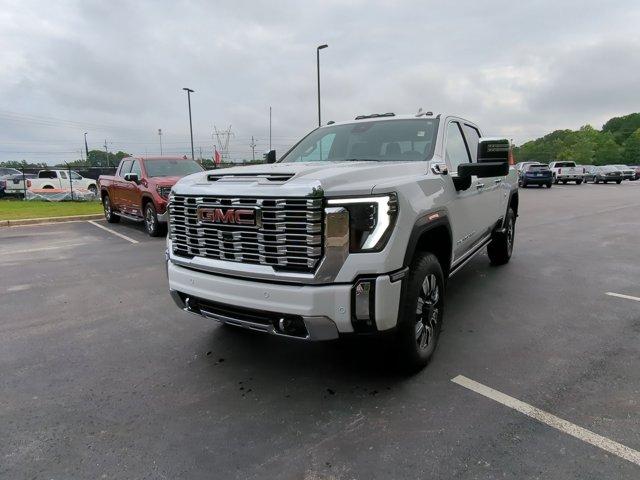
54,180
355,231
567,172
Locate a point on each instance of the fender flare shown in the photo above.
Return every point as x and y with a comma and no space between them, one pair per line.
424,224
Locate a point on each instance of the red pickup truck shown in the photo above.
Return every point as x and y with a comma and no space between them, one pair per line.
140,189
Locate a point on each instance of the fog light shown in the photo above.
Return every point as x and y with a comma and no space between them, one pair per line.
363,298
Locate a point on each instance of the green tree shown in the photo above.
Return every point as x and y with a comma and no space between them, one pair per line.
622,127
631,146
608,152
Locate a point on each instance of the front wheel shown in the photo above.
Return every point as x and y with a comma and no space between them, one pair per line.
578,182
93,189
154,227
421,313
501,245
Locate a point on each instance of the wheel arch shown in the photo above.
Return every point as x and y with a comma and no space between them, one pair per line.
432,233
146,198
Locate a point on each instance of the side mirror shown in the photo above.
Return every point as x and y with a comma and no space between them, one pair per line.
270,156
493,150
132,177
483,170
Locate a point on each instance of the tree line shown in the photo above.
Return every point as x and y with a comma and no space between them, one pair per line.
617,143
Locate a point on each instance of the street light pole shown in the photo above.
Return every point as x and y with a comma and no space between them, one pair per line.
320,47
160,135
189,92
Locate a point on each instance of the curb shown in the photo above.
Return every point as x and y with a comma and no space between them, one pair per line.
35,221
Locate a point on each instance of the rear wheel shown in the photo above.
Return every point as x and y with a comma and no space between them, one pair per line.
108,211
421,308
618,182
564,182
549,185
93,189
578,182
501,245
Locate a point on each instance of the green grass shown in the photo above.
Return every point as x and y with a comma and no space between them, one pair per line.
18,209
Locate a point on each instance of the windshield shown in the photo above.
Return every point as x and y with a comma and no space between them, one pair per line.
171,168
609,168
384,140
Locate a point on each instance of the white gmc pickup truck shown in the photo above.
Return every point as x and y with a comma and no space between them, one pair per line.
354,231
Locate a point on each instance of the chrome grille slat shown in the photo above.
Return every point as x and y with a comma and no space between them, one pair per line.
289,237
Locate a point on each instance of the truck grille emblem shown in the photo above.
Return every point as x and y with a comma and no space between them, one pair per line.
248,217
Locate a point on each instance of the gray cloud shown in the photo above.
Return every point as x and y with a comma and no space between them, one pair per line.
116,69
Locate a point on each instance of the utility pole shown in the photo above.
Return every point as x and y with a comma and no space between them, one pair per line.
81,155
200,154
223,137
189,92
320,47
106,152
269,128
253,149
160,135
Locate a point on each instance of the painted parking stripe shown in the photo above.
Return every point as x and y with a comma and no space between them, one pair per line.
43,249
117,234
620,295
569,428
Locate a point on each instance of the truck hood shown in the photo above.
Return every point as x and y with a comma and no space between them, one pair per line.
298,179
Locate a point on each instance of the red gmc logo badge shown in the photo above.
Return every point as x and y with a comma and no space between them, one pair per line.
247,217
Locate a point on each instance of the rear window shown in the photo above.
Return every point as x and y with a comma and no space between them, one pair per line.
537,168
47,174
565,164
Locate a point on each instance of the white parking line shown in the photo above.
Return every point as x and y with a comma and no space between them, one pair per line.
117,234
43,249
620,295
569,428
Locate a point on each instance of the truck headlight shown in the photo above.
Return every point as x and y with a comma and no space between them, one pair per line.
371,220
164,191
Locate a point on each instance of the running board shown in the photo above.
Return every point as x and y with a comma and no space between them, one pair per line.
455,269
128,216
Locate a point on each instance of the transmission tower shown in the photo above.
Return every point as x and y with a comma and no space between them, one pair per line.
253,149
223,137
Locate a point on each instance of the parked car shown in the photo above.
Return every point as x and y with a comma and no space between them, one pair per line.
15,185
354,231
628,173
535,174
637,169
520,165
140,189
605,174
567,171
5,172
58,180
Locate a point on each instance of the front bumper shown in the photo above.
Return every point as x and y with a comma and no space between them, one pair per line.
325,310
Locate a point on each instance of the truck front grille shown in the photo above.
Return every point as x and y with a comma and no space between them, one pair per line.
287,237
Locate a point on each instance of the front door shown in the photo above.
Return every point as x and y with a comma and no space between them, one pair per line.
468,213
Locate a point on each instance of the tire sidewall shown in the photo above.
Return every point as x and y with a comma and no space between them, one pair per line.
152,229
412,356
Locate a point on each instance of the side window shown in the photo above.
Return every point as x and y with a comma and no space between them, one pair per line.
75,176
456,150
125,168
63,175
473,138
135,168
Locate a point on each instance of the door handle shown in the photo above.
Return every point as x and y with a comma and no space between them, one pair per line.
497,180
479,186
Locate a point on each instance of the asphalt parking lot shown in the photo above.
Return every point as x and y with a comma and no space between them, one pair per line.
102,377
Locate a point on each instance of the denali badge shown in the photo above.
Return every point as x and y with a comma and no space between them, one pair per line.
248,217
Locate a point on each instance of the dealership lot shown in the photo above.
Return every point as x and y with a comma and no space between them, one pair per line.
102,377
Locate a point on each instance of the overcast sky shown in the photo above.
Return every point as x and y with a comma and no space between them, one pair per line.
116,69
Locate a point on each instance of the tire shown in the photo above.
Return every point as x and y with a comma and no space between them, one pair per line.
421,313
578,182
595,180
524,185
549,185
501,246
93,189
605,182
151,223
564,182
618,182
109,215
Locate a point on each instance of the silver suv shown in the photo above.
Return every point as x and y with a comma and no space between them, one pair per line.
355,230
